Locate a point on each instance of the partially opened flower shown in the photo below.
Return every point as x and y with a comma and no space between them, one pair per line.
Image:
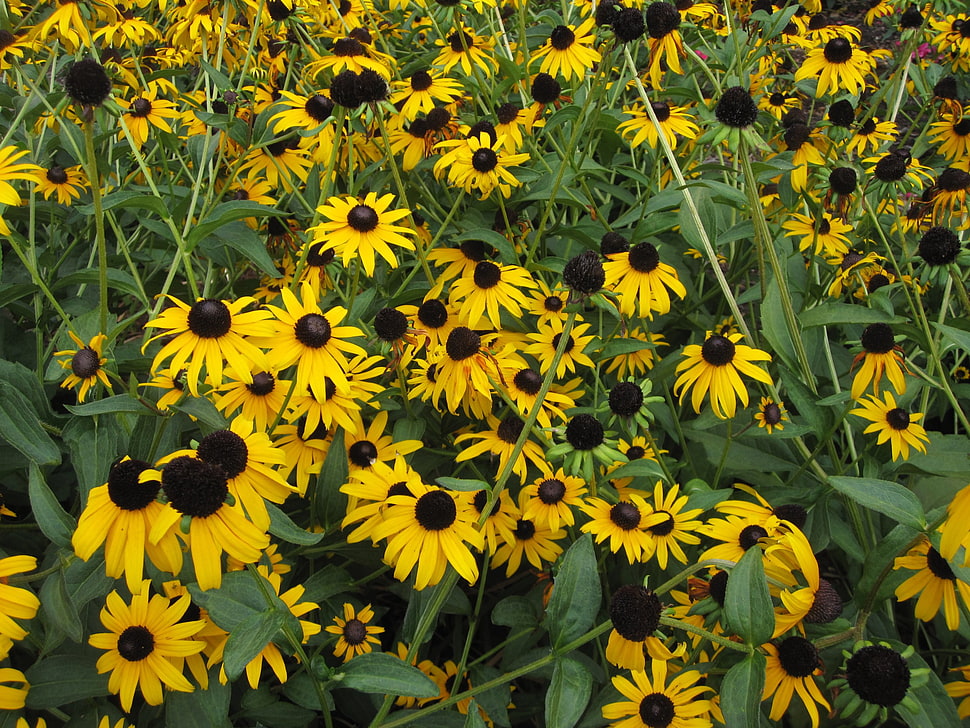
16,602
791,668
936,584
86,365
714,368
356,635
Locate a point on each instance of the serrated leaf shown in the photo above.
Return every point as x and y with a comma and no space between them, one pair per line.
747,602
890,499
20,427
568,693
282,527
376,672
53,521
248,639
576,593
741,690
462,484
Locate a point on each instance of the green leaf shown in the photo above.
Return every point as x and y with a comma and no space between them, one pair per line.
94,443
957,337
706,210
462,484
774,327
201,708
741,690
224,213
833,314
236,601
494,701
327,582
576,593
20,426
619,347
58,608
118,280
53,520
248,639
878,562
642,468
26,383
327,503
568,693
506,252
244,240
515,611
747,603
890,499
376,672
204,411
129,200
11,293
282,527
64,679
936,708
117,403
740,458
474,718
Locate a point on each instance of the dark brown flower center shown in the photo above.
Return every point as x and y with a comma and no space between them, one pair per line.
227,450
125,491
355,632
136,643
625,515
798,657
194,487
897,418
656,710
551,491
85,363
263,383
718,350
487,274
750,535
838,50
363,453
528,381
561,37
362,218
462,343
209,319
312,330
635,612
484,160
435,511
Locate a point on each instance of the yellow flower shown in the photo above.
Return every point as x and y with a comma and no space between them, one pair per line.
714,368
894,424
86,365
356,634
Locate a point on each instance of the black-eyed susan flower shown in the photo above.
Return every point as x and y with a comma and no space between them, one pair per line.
356,635
197,492
120,514
144,112
935,583
466,49
654,702
839,65
546,341
960,689
500,440
458,261
880,356
301,112
523,385
208,334
663,39
623,523
462,369
792,666
361,228
938,246
949,196
714,367
639,361
142,637
952,134
86,365
568,52
440,677
259,400
771,415
778,103
893,424
737,534
427,531
421,92
498,527
671,525
675,121
491,288
954,528
535,541
824,234
305,453
547,303
876,678
583,273
368,490
641,281
368,446
871,133
67,183
16,602
86,81
482,163
303,334
635,612
550,498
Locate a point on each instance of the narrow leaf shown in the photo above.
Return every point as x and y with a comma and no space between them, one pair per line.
462,484
576,593
376,672
20,427
747,603
53,520
282,527
568,693
890,499
741,691
248,639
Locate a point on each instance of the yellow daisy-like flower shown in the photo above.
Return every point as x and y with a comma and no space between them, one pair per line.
86,365
953,135
357,635
421,91
10,169
546,340
305,453
535,541
623,523
653,701
461,372
482,163
65,182
144,112
260,400
839,66
500,440
674,122
667,535
641,281
367,491
209,333
550,498
120,515
714,367
367,447
360,228
872,133
894,424
634,364
791,668
938,587
16,602
304,335
492,288
954,528
464,48
197,492
880,356
301,112
825,235
427,530
143,638
771,415
568,52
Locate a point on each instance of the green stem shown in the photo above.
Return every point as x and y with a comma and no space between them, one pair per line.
91,169
701,632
